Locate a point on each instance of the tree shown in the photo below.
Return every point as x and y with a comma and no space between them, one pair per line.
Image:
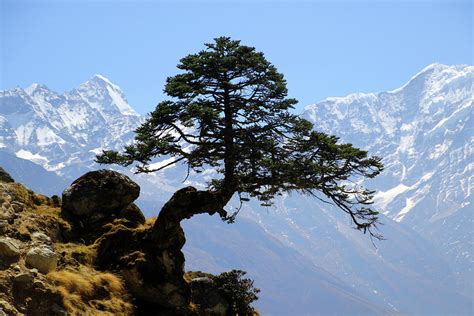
239,291
229,110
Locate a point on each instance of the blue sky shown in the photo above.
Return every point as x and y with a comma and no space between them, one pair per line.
323,48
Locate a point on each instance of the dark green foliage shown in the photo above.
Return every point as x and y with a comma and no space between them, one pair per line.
238,291
230,110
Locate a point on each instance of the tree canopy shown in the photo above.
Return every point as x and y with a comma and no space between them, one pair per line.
229,110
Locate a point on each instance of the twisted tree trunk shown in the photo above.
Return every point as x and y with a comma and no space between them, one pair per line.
184,204
152,261
167,236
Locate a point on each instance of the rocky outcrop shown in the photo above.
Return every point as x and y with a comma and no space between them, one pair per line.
27,221
151,260
94,252
100,207
98,198
154,275
36,278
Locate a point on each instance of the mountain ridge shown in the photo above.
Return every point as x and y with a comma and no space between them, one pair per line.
424,132
406,126
52,125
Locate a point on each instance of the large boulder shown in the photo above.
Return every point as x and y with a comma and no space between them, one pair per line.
99,200
42,258
99,191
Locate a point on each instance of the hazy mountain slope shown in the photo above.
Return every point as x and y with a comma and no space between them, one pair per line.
404,272
35,176
291,284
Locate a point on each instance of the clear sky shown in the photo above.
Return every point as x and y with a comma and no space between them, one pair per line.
324,49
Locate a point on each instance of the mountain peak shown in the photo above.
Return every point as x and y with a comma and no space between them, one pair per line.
36,87
104,95
434,66
435,74
437,68
101,78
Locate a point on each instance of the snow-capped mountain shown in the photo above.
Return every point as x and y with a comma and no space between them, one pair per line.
62,132
423,131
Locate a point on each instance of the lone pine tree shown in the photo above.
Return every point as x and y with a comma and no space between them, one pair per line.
229,111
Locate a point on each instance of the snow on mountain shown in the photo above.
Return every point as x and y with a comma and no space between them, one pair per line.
63,132
104,96
424,132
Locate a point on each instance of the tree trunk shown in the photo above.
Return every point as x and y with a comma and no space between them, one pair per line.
152,261
168,238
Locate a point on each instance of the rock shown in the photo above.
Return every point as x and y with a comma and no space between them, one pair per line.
6,211
9,247
99,191
58,310
41,237
3,226
5,176
133,214
39,284
24,278
205,294
18,206
7,309
42,258
23,282
34,271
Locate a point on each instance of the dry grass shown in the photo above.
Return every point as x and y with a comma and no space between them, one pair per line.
88,292
73,283
108,281
76,254
19,193
150,221
33,211
42,218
